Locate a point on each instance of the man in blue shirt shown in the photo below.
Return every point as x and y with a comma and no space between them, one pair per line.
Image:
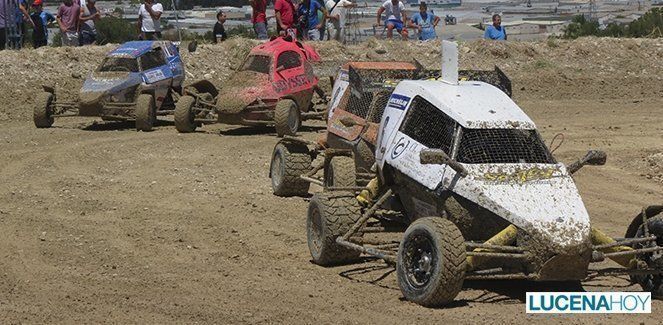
425,23
308,19
495,31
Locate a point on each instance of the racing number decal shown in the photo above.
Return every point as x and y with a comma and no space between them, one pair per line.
292,82
298,81
280,86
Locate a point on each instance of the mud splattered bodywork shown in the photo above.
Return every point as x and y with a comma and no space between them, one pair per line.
274,71
465,176
134,68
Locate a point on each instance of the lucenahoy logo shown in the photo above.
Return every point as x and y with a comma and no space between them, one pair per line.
588,302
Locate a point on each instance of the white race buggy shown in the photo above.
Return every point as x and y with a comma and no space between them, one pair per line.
464,173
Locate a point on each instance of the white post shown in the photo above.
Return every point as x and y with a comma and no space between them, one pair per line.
450,62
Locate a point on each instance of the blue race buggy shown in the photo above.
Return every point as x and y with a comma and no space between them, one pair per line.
136,81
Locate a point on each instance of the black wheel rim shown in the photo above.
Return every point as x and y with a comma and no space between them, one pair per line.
649,282
419,260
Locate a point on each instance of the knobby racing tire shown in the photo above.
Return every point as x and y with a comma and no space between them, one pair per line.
42,111
331,215
651,282
286,117
145,113
431,262
340,172
184,116
289,161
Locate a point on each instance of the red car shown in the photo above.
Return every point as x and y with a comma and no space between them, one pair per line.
274,86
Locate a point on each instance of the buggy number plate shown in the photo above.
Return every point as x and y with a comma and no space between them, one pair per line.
154,76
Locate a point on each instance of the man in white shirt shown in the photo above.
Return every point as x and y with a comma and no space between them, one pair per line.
149,19
336,20
394,10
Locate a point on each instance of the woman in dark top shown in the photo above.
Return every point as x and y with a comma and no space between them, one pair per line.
219,31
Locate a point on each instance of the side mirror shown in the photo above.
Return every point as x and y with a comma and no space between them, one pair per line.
592,158
439,157
348,122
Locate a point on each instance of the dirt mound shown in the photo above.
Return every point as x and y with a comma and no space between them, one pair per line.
588,68
654,165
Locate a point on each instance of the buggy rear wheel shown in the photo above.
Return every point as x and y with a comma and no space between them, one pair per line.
145,113
289,161
340,172
184,117
431,262
652,282
286,117
331,215
42,111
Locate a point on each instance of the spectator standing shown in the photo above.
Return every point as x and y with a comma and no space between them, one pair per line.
3,24
309,22
220,31
40,20
424,22
149,19
88,16
394,10
68,19
495,31
285,18
22,16
336,23
259,18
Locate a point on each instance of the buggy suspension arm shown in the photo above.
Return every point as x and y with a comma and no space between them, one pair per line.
344,240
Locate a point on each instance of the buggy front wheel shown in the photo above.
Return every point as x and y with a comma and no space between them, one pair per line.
184,117
42,111
145,113
287,119
431,262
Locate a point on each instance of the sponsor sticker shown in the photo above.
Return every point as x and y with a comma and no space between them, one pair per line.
588,303
154,76
398,101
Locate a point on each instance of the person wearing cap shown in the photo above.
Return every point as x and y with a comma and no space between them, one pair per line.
40,20
88,16
68,19
336,23
149,19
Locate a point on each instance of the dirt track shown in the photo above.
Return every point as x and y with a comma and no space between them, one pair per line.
99,223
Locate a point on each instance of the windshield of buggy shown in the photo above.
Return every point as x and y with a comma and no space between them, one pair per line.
431,127
119,64
257,63
502,146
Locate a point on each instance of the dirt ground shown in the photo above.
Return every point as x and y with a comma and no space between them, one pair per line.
99,223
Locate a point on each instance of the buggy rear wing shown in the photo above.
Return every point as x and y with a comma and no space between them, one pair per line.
372,80
495,77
